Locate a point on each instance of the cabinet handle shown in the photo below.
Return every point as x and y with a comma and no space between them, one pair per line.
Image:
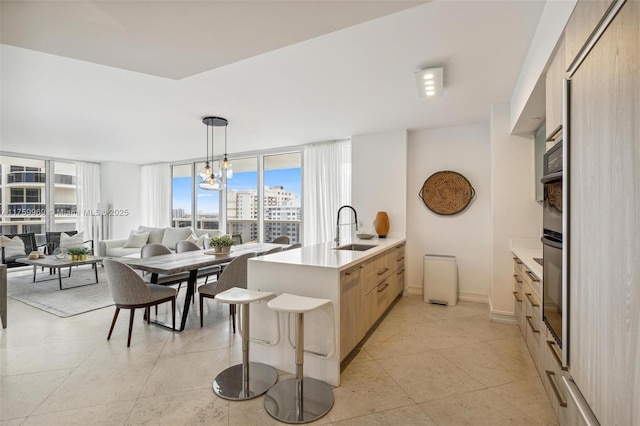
517,277
380,290
383,271
533,302
555,355
400,259
532,277
550,375
400,272
531,325
515,294
518,261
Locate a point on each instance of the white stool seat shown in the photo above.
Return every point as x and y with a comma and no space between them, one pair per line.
296,304
242,296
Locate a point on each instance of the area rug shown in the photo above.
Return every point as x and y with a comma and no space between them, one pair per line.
46,295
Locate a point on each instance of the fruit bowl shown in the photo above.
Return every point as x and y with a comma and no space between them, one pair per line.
365,236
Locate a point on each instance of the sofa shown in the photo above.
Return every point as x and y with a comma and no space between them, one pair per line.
167,236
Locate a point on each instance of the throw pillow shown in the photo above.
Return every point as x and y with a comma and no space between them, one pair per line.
173,235
155,234
198,240
68,241
136,239
12,246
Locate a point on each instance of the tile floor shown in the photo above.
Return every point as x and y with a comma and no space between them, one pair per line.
424,365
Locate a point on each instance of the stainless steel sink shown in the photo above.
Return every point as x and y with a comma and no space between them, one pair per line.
355,247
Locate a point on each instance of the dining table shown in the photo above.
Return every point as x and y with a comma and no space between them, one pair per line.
191,262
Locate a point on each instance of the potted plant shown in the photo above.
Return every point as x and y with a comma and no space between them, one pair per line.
78,253
222,244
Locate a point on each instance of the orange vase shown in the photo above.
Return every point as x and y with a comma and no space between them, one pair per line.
381,224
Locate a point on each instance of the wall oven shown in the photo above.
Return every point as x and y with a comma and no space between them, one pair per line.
553,294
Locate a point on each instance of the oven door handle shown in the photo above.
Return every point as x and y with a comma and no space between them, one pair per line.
551,177
552,243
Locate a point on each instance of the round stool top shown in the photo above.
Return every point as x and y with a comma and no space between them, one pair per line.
241,296
297,304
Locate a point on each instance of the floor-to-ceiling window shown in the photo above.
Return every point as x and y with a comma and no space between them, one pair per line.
282,196
242,199
29,195
257,212
24,195
181,195
207,206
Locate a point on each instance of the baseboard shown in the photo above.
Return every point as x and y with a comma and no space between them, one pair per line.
467,297
474,297
503,317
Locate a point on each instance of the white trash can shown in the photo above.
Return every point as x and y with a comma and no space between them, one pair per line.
440,280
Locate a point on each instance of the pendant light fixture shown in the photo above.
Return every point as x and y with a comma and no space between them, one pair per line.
210,180
227,168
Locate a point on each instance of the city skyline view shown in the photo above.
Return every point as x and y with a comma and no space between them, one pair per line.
208,201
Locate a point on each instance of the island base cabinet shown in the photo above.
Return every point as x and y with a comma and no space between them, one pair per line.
352,326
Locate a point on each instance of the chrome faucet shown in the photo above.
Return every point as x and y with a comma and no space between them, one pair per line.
355,216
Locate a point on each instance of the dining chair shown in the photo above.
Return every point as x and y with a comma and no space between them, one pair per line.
205,272
293,246
282,239
234,275
271,250
129,291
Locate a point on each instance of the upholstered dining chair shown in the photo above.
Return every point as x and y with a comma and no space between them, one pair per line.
157,249
234,275
129,291
271,250
282,239
205,272
293,246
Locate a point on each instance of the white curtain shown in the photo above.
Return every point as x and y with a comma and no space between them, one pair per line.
327,186
88,193
155,189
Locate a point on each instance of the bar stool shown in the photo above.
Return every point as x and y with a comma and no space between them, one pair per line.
249,379
303,399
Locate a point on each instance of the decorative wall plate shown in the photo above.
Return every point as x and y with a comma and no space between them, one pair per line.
446,192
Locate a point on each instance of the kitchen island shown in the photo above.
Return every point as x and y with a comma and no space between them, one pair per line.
361,285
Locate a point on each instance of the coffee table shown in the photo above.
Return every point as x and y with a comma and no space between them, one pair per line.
53,262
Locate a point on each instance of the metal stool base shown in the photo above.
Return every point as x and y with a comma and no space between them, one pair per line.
229,384
280,402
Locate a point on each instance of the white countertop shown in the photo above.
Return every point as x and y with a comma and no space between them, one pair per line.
527,255
326,256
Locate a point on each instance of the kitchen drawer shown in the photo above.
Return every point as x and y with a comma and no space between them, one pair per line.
518,301
399,257
533,281
552,381
533,307
385,294
518,266
399,281
533,340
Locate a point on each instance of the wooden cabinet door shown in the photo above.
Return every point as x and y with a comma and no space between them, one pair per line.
553,91
351,328
604,224
584,19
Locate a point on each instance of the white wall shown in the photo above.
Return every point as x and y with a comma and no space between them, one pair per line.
467,235
120,187
515,213
379,179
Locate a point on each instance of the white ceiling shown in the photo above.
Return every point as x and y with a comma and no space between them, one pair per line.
130,81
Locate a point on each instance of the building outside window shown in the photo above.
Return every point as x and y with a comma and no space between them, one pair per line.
276,209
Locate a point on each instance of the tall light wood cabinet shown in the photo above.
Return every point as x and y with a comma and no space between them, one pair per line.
604,232
553,91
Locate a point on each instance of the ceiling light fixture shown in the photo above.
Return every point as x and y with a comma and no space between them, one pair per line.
430,82
209,179
227,167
